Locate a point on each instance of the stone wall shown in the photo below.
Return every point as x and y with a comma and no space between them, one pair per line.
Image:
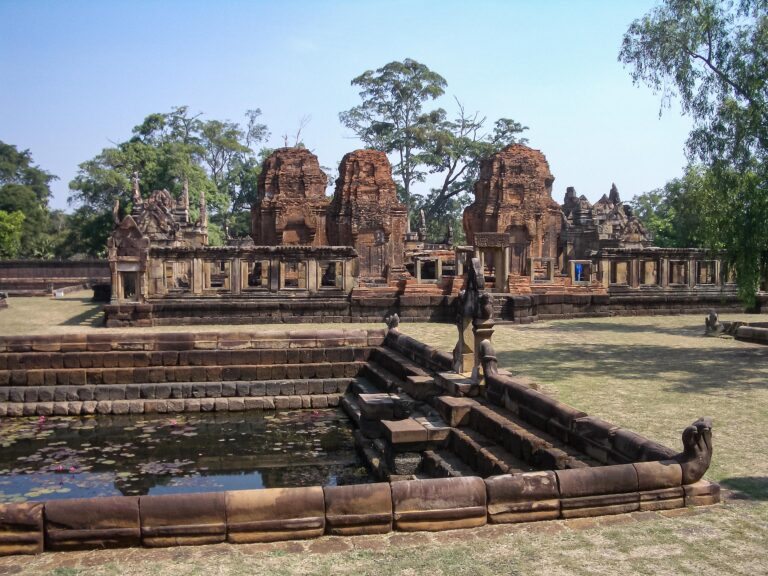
42,277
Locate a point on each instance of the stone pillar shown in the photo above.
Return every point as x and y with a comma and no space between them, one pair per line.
198,275
275,274
505,267
311,270
459,262
692,273
635,272
418,270
664,272
605,270
439,269
235,272
718,280
498,264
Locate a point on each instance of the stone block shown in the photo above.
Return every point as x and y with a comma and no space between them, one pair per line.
175,405
282,402
183,519
702,493
275,514
599,504
76,524
662,499
358,509
228,389
44,409
21,528
221,404
455,411
656,474
600,480
207,404
406,431
523,497
236,404
319,401
439,504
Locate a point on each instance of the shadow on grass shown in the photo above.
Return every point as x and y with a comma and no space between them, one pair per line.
91,316
755,487
622,328
696,370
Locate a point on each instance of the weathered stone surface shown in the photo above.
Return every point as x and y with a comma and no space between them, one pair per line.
702,493
291,204
92,523
366,214
358,509
523,497
21,528
439,504
275,514
183,519
514,196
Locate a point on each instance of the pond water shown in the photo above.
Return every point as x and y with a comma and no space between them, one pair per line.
69,457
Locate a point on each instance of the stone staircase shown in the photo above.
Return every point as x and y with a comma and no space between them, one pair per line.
122,374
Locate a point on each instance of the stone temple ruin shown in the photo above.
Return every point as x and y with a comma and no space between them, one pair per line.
354,257
452,440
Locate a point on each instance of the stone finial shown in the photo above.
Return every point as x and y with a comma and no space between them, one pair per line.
185,194
392,320
422,231
613,195
136,195
697,450
116,211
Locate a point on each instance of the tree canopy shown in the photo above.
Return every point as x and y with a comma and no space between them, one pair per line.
713,56
214,156
392,118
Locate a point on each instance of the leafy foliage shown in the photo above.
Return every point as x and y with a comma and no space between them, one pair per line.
10,233
215,157
392,118
713,56
25,188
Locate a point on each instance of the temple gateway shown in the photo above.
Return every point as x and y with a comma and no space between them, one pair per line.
353,257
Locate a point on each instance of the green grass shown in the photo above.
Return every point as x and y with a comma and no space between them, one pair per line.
654,375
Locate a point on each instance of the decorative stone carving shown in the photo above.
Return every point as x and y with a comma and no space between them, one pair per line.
291,204
366,214
392,321
514,196
474,322
697,450
712,324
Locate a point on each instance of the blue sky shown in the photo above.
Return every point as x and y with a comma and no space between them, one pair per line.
76,76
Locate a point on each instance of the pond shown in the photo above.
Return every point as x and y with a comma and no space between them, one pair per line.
44,458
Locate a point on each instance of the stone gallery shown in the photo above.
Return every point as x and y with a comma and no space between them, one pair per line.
354,257
444,441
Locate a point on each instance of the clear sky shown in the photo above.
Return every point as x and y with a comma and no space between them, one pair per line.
76,76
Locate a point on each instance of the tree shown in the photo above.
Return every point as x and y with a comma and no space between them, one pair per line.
673,214
390,117
166,149
713,56
25,188
10,233
454,149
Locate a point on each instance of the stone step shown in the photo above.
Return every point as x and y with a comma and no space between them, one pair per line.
142,406
188,358
525,441
485,456
444,464
83,376
396,363
174,390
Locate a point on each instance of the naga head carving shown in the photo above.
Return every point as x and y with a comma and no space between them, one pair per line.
488,358
697,450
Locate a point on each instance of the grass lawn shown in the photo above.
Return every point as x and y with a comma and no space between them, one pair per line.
654,375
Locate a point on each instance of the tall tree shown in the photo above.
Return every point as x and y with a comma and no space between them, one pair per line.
454,149
713,56
25,188
390,117
165,149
